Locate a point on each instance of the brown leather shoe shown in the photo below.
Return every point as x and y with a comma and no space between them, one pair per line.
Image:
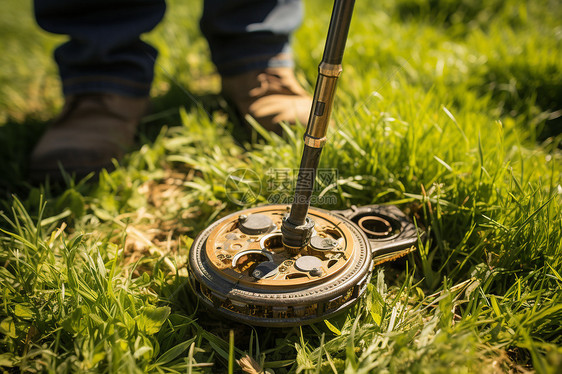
270,96
92,130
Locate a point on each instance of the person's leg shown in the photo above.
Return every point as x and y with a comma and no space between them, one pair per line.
246,35
106,73
250,46
104,53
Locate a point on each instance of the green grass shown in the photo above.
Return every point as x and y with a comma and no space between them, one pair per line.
449,108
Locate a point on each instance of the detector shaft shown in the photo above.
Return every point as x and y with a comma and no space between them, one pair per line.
315,137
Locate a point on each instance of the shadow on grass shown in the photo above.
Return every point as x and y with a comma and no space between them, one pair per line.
17,138
521,87
450,12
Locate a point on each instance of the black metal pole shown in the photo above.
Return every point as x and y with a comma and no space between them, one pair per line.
296,228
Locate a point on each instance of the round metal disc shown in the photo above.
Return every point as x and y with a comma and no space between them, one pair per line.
308,263
254,224
323,244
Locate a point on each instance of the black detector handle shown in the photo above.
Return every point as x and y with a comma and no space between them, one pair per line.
296,228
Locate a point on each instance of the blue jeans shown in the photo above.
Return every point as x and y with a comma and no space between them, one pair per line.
105,52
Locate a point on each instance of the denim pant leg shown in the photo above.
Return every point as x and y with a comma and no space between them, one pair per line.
245,35
104,53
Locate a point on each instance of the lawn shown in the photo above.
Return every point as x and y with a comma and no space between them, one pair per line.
450,109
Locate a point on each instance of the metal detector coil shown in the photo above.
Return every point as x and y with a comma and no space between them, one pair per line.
252,278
